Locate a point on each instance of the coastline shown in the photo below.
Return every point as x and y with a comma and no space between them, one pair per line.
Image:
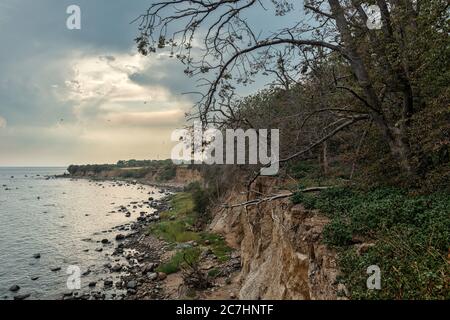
139,254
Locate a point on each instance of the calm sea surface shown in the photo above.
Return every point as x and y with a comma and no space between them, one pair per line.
64,221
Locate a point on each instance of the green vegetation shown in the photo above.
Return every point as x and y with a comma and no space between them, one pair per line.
201,198
175,231
182,206
190,255
410,236
167,172
163,170
213,273
178,226
218,245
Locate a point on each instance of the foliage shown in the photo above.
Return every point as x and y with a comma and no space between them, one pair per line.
178,259
177,224
217,244
174,231
164,170
201,198
411,236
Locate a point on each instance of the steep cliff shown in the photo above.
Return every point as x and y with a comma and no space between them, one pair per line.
180,176
185,175
281,251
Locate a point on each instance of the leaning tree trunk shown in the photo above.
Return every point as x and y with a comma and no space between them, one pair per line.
395,137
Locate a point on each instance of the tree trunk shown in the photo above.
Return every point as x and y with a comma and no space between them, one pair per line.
395,137
325,158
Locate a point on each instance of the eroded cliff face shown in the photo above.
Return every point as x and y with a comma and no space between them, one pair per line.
281,249
185,176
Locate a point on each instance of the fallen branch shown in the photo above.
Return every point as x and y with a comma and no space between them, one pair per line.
272,198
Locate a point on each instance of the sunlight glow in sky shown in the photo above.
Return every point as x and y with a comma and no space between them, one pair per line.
85,96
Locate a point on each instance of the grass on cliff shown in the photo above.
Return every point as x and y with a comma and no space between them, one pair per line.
410,236
217,244
191,255
177,226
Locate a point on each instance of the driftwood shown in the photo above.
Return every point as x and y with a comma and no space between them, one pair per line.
272,198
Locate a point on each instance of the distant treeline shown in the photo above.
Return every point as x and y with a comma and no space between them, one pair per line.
163,169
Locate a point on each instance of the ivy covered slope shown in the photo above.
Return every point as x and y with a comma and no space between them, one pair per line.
406,235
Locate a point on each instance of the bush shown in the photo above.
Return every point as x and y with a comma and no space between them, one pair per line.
201,198
168,172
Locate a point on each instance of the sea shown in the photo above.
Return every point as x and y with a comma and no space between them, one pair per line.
58,224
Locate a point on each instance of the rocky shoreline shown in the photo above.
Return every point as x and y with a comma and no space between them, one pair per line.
132,273
129,258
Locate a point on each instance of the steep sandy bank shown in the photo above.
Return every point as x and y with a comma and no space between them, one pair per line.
281,251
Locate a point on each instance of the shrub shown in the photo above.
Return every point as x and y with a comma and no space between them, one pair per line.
201,198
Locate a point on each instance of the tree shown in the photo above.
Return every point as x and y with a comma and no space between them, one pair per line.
381,69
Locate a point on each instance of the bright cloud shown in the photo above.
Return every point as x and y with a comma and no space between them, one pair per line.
151,119
108,77
2,122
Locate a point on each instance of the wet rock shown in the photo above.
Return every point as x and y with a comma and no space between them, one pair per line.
149,268
108,283
14,288
22,296
120,237
235,255
116,268
132,285
152,276
86,273
186,245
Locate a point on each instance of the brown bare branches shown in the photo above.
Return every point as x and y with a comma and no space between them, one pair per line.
271,198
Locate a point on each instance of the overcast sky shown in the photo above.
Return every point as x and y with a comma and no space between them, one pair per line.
85,96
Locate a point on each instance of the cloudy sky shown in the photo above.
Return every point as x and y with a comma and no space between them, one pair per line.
84,96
